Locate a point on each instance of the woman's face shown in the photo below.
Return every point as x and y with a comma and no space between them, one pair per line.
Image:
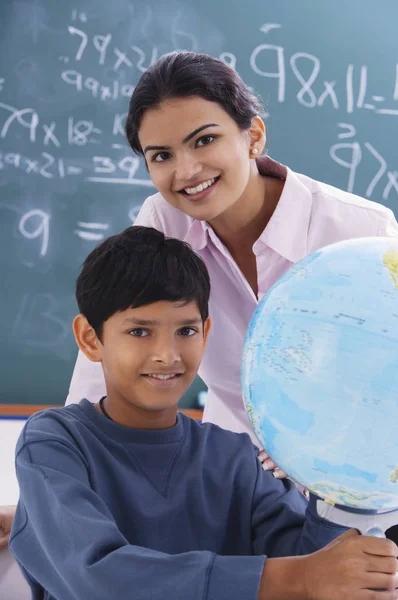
197,156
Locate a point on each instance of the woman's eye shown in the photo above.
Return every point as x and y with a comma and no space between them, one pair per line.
160,156
187,331
139,332
205,140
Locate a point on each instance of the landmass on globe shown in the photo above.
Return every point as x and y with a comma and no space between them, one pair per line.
390,259
338,494
394,475
254,420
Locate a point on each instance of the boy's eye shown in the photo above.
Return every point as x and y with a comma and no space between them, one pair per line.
139,332
204,140
160,156
187,331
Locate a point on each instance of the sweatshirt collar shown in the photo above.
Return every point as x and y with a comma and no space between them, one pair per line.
122,433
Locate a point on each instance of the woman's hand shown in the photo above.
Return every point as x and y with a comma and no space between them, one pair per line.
268,465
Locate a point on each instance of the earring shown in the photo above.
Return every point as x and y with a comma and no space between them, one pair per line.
254,151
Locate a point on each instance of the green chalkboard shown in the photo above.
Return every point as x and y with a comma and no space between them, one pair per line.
327,72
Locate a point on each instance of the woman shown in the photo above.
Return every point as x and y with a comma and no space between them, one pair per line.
198,127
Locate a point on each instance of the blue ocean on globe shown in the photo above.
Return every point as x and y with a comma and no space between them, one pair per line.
320,373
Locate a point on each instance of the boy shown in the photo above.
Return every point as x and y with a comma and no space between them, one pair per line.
127,499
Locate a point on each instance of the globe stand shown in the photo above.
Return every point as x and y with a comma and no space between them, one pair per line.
368,522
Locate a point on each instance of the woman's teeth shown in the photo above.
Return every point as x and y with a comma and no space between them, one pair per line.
200,187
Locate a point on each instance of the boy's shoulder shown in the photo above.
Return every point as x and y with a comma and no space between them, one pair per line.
55,424
221,443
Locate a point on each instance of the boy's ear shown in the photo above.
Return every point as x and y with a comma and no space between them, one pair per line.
86,338
206,329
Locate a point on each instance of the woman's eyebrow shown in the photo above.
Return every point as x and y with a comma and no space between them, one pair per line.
198,130
185,140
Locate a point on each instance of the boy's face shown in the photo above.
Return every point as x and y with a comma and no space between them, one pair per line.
150,356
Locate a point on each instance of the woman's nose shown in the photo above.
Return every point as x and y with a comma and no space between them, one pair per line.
187,169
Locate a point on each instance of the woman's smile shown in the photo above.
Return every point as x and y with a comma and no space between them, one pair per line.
200,191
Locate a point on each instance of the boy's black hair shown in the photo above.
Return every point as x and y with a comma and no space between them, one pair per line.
138,267
182,74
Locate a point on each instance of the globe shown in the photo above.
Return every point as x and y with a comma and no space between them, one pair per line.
320,373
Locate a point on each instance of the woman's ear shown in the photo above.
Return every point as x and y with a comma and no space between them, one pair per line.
87,339
257,137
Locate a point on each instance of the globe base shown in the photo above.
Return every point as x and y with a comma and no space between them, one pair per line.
367,522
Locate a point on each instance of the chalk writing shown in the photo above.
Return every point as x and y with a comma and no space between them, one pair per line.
38,322
33,224
104,165
307,95
87,231
112,91
350,154
46,165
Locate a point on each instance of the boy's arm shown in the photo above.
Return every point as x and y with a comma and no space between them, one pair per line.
66,539
284,523
314,562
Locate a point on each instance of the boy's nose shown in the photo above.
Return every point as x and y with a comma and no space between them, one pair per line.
167,355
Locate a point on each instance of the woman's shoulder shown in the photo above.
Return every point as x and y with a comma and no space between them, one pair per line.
344,214
156,212
327,195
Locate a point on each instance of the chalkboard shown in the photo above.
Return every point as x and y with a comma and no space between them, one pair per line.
327,72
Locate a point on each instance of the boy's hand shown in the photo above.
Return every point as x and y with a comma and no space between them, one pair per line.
352,567
6,518
268,465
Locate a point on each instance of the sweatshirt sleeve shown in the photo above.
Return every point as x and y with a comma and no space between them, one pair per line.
284,523
67,542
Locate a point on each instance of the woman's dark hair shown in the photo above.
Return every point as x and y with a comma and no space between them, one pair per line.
183,74
138,267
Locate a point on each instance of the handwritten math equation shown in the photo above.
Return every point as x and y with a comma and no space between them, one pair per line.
35,224
51,136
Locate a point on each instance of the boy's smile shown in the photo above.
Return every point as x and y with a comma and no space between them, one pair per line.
163,379
150,355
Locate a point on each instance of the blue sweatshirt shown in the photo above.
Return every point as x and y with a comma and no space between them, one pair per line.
107,511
